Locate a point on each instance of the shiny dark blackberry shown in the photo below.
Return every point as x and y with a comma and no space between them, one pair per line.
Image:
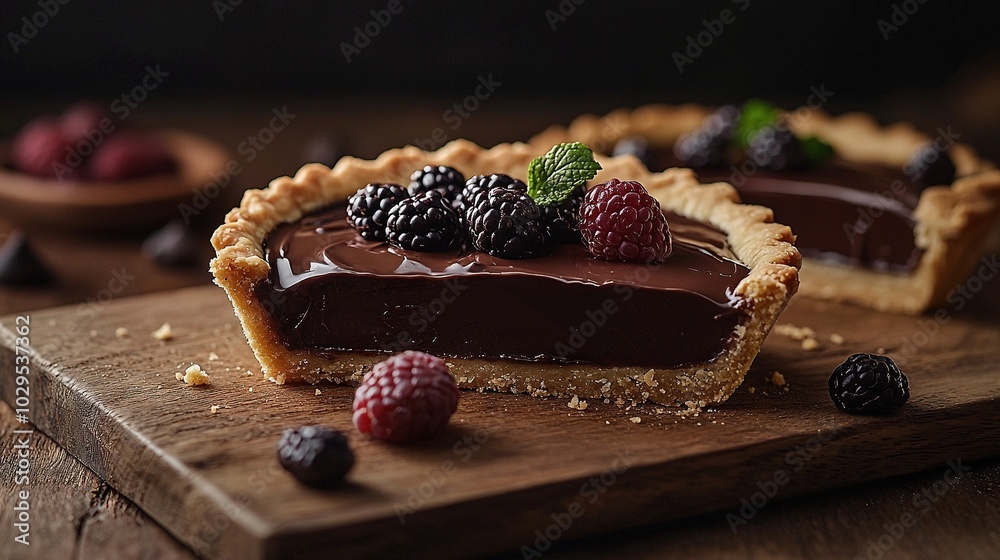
483,183
426,222
368,210
316,455
636,146
929,166
707,145
438,177
562,221
505,222
869,384
776,148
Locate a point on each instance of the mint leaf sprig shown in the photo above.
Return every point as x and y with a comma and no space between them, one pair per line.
553,177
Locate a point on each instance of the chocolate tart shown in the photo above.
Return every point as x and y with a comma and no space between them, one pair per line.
317,302
867,235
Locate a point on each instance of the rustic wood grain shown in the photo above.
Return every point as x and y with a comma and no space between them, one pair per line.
211,478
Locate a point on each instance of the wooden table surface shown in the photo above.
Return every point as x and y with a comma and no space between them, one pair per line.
76,515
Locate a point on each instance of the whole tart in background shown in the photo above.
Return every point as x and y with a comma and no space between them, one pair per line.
253,237
939,229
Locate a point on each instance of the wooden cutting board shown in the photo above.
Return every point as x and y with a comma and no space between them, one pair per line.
511,473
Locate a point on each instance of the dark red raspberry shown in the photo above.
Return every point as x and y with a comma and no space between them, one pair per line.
407,397
127,154
82,122
620,221
38,147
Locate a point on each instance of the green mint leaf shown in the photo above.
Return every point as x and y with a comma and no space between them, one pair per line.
552,177
817,152
755,114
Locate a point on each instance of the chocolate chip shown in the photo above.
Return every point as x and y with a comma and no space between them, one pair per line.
20,265
175,245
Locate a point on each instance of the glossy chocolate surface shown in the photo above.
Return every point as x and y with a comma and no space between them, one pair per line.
844,212
331,290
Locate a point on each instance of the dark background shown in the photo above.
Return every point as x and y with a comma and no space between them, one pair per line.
942,65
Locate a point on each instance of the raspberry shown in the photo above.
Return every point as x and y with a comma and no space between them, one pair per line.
368,209
505,222
38,146
82,123
620,221
776,148
424,223
869,384
706,145
445,179
407,397
316,455
483,184
929,166
127,155
562,220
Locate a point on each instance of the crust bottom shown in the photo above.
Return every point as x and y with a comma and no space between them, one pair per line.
763,246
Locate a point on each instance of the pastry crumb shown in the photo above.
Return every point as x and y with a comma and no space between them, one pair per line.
249,372
213,357
163,333
194,375
318,392
121,332
810,344
251,390
880,350
577,404
778,379
837,339
214,409
795,333
635,419
752,390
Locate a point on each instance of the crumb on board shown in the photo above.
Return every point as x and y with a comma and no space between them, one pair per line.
635,419
810,344
213,357
318,392
121,332
577,404
249,372
163,333
837,339
778,379
752,390
795,333
215,408
880,350
194,375
251,390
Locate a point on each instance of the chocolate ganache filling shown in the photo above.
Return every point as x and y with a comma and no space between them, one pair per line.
330,290
844,212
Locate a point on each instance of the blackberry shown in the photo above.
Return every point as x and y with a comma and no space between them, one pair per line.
316,455
424,223
483,183
445,179
929,166
868,384
706,145
562,221
505,222
776,148
635,146
368,210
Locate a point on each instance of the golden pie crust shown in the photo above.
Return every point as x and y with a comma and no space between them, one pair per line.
953,221
764,247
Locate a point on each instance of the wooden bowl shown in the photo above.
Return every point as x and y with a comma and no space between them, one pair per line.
44,205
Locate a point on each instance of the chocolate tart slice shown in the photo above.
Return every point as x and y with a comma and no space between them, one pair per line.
868,235
317,301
